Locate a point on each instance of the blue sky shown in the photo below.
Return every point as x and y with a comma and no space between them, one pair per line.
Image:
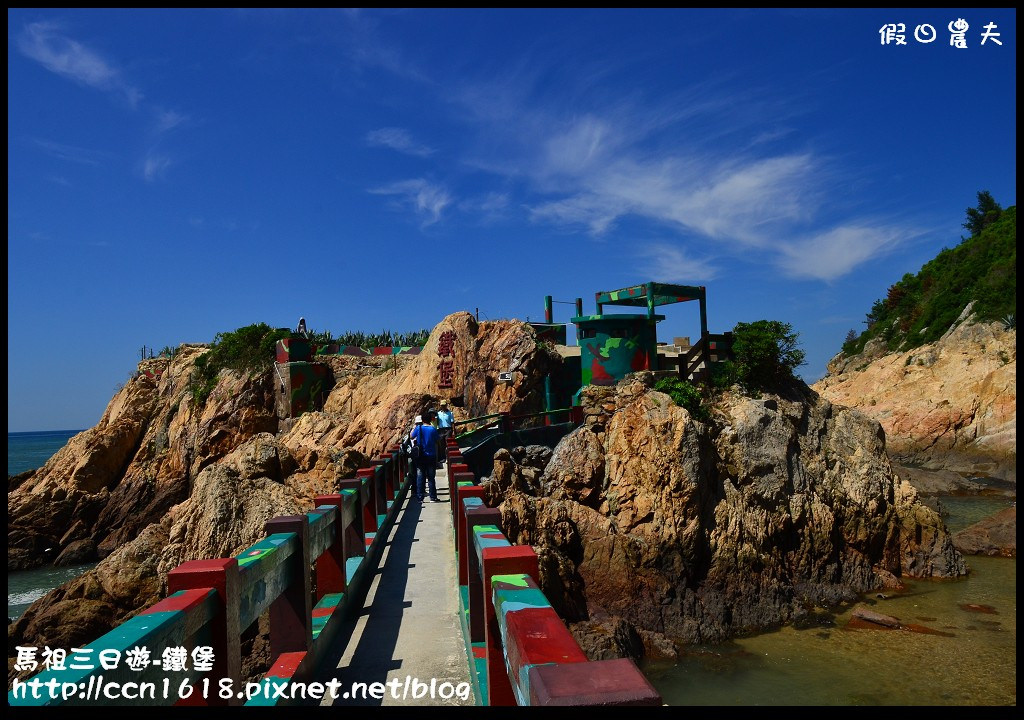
173,174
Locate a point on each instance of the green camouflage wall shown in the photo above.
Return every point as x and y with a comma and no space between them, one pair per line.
605,358
308,385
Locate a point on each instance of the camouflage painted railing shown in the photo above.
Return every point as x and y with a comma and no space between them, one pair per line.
521,653
333,549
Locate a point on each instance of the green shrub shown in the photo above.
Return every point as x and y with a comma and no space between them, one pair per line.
247,349
765,353
684,394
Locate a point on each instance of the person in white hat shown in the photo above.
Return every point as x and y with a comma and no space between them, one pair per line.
424,435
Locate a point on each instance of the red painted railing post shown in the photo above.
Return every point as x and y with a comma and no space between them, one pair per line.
291,625
602,683
511,560
474,579
330,567
225,634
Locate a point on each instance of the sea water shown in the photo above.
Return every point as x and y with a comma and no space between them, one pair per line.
28,451
31,450
970,660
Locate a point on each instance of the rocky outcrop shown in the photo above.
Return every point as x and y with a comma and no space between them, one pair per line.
230,503
113,480
995,535
700,530
382,405
160,481
951,404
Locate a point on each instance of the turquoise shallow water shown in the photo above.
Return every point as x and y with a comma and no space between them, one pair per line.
974,661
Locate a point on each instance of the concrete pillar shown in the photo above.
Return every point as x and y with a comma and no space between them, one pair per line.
291,613
225,634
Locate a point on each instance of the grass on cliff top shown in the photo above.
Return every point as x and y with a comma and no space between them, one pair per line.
368,341
248,349
920,308
252,349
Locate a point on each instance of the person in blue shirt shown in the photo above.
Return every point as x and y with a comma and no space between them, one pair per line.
445,421
425,435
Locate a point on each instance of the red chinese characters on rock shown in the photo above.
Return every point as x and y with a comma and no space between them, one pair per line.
446,368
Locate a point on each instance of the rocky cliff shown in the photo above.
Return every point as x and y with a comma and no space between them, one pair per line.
160,481
699,531
951,404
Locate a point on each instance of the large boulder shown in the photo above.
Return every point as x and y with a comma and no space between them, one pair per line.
701,530
995,535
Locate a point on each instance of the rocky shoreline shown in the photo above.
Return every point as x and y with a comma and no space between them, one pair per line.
948,405
694,532
653,529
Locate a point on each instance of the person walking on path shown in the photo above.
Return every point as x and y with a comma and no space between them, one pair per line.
445,421
425,436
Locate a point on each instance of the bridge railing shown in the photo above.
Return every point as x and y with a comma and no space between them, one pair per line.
521,652
307,574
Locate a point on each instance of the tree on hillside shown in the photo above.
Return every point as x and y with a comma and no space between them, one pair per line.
987,212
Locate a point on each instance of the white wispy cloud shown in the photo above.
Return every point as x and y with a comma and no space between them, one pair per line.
427,199
834,252
71,153
706,172
398,139
154,165
45,43
168,120
671,263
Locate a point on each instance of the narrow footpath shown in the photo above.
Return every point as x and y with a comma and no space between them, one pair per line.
408,631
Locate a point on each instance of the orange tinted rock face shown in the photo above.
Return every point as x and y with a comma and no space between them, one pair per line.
948,405
700,531
159,481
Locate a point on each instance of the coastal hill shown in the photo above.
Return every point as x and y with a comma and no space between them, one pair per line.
693,530
937,364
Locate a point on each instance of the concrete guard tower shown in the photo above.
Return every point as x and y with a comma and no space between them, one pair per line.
614,345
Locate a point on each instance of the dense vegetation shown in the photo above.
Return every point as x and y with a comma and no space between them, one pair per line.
983,268
765,356
247,349
366,341
252,349
685,394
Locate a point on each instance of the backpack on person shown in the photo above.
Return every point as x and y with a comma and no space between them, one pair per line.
410,445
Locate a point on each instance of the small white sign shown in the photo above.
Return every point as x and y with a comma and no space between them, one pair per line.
505,377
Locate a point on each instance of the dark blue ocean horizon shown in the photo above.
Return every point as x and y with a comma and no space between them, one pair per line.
29,450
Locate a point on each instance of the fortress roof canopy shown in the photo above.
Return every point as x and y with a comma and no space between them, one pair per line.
650,295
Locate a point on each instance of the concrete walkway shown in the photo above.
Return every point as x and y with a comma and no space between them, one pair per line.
408,631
